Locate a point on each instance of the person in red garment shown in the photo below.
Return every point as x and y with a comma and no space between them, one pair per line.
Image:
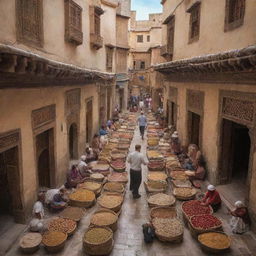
212,198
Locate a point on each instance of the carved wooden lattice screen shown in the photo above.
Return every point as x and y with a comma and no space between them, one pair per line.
195,22
73,22
30,21
170,35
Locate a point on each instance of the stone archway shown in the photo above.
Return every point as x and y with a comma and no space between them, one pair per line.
73,141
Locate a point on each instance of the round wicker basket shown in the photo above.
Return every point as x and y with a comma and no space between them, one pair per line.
73,213
208,249
179,196
163,212
30,242
116,187
155,200
103,248
150,189
84,203
97,177
69,232
112,226
58,247
110,196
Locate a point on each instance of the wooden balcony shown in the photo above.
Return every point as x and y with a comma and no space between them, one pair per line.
96,41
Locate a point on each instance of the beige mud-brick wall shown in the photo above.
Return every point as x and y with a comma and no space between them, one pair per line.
54,27
23,102
122,31
212,38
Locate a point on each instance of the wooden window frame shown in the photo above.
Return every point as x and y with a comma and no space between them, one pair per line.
139,38
73,23
148,38
237,22
109,58
144,64
170,36
195,13
22,19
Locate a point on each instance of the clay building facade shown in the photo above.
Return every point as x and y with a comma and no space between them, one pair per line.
145,41
56,88
209,87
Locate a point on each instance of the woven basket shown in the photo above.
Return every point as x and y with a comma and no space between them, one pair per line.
71,232
123,180
97,179
57,248
154,190
35,247
172,211
184,198
112,226
117,207
215,250
99,249
181,183
186,217
96,191
117,191
174,239
83,204
196,231
81,213
159,205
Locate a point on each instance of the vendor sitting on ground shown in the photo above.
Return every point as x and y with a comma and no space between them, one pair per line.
56,198
212,198
193,155
83,169
175,143
74,177
199,173
90,156
240,220
36,224
103,131
96,145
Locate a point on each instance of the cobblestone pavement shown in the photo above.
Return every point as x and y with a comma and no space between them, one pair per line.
129,238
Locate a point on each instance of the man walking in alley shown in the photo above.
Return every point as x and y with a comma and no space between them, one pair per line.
136,159
142,120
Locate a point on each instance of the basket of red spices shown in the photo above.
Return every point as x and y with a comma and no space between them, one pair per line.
118,165
204,223
194,207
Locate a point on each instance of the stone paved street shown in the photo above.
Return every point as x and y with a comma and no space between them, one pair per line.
129,237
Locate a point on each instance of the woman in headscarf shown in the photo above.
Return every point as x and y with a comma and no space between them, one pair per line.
175,143
74,177
240,220
193,155
212,198
96,145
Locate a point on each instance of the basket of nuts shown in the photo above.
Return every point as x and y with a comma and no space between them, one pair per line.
184,193
82,198
54,241
63,225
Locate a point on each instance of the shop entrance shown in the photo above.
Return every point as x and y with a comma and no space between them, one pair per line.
73,141
10,194
45,158
235,152
194,128
89,120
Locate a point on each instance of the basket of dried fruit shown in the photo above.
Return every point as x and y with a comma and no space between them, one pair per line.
73,213
118,165
102,168
92,186
161,199
97,177
117,155
118,177
181,183
178,175
163,212
110,200
98,241
157,176
214,242
114,187
156,165
105,218
204,223
184,193
67,226
30,242
194,207
157,186
54,241
82,198
168,229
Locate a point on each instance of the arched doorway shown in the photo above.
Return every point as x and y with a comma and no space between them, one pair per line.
73,141
44,169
